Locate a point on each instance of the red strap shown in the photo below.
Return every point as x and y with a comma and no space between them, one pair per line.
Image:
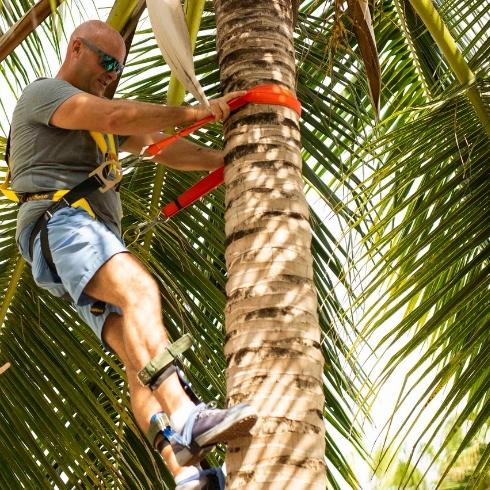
205,185
260,94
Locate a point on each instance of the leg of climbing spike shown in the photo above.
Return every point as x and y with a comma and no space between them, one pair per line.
146,406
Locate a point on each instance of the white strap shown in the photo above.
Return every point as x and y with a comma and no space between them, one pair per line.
172,35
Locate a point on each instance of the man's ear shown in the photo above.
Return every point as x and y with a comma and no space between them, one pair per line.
76,46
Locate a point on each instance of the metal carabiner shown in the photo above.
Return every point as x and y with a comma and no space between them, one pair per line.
133,232
109,173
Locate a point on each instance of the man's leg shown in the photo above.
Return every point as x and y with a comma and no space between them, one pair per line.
144,405
143,402
123,281
79,246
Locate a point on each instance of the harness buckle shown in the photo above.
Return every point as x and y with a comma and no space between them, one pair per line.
109,173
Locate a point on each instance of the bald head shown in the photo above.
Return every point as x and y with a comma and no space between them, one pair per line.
96,30
86,64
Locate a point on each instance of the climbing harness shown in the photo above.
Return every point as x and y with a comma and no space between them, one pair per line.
260,94
106,176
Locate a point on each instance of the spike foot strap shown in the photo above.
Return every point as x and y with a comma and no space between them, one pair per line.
159,425
151,372
186,386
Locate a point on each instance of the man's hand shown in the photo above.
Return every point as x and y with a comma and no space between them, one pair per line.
219,107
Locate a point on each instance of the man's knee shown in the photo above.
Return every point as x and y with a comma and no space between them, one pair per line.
124,281
142,288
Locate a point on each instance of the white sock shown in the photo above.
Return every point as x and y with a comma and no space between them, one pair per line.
180,416
187,473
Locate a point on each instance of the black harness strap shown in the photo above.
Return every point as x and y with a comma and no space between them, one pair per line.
80,191
7,148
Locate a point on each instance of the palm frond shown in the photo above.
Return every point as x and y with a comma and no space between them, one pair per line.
430,253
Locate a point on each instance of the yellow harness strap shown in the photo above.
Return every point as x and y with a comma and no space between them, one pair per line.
4,188
108,149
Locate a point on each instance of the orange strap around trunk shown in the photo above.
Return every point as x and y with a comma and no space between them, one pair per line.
260,94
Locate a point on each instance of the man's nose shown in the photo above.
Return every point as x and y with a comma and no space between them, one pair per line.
112,75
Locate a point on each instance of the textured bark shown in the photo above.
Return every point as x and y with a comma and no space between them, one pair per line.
272,332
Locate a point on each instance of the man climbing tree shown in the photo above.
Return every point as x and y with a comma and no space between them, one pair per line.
65,173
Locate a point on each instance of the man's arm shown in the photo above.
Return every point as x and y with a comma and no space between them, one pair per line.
86,111
180,155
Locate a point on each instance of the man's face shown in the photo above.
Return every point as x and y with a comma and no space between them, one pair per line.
100,62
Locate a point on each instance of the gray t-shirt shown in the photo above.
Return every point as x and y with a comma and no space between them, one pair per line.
46,158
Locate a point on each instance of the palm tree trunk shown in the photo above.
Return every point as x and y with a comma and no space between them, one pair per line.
272,331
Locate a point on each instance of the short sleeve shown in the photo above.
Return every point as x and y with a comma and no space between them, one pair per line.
45,95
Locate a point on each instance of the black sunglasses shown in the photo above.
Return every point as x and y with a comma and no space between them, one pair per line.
108,62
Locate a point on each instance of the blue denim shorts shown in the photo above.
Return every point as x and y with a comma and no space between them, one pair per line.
79,245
